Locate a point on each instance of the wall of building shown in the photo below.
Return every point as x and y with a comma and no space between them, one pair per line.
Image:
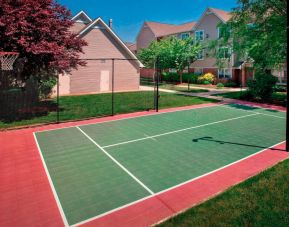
101,45
144,38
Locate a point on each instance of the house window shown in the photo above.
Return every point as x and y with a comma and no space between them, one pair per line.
224,52
201,55
224,73
281,75
185,35
198,71
199,35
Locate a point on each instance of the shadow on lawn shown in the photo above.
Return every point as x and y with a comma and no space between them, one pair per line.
211,139
27,112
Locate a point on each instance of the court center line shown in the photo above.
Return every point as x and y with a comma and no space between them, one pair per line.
251,111
116,162
177,131
176,186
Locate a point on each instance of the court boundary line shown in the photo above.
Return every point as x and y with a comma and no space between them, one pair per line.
62,214
146,115
174,187
251,111
179,130
117,162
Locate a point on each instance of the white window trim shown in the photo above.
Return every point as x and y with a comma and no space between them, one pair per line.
201,59
229,50
218,29
203,35
185,33
202,69
230,69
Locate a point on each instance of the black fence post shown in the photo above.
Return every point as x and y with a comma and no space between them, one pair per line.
157,87
287,112
112,88
57,98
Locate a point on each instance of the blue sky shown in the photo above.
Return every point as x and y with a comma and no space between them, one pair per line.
129,15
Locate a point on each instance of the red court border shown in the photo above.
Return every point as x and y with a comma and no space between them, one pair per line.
27,199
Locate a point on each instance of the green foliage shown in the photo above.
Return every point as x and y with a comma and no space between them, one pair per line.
220,85
257,33
230,84
280,88
207,78
174,77
172,52
45,87
262,86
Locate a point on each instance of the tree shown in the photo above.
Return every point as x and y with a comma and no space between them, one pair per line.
257,31
171,53
40,31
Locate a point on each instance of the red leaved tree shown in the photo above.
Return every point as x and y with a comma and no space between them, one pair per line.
40,31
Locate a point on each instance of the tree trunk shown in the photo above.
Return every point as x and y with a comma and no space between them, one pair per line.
181,76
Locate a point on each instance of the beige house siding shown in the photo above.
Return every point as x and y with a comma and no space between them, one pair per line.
101,45
145,37
77,27
209,25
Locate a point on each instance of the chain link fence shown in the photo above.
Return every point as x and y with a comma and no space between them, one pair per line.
103,87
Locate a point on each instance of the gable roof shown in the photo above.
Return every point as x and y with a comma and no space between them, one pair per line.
112,33
83,15
162,29
223,15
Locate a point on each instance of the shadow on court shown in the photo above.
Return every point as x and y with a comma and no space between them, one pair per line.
250,108
211,139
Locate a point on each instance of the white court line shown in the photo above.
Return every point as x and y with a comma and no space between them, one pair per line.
149,115
116,162
250,111
51,184
180,130
173,187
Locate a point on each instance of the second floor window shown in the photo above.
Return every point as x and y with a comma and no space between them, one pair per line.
199,35
185,35
201,54
224,53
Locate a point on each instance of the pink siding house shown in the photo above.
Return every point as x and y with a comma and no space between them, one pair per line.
205,29
96,76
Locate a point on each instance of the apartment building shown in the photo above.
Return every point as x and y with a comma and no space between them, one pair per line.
206,29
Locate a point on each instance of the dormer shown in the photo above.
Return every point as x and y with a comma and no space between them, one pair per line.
82,17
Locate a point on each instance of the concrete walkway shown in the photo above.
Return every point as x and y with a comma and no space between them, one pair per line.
211,94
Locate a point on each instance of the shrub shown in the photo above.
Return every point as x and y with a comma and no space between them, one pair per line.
262,86
280,88
208,77
174,77
230,84
220,85
46,86
207,82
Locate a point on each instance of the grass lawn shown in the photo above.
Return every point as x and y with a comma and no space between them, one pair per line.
278,98
89,106
260,201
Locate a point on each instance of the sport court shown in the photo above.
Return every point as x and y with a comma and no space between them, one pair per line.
98,168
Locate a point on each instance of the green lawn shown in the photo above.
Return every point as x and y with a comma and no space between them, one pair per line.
260,201
278,98
88,106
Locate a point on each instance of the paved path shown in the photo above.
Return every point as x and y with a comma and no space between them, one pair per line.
211,94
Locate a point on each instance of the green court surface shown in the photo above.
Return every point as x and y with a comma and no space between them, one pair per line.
100,167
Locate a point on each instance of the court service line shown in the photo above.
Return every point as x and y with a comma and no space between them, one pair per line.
180,130
51,184
251,111
116,162
127,118
174,187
